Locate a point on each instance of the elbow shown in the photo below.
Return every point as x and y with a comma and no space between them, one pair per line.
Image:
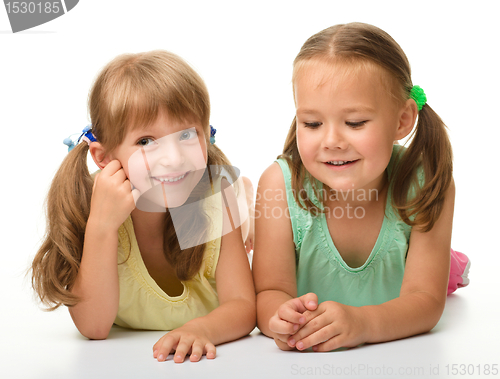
250,317
435,311
95,333
91,328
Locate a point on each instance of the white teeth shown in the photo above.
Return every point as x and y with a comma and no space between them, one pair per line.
171,180
338,163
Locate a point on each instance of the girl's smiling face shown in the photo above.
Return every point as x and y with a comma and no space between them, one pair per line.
164,161
347,122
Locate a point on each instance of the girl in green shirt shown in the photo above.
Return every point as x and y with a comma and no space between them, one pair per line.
353,231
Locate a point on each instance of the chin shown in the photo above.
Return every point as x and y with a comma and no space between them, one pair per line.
156,200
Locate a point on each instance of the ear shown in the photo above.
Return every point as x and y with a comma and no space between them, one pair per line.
99,155
407,119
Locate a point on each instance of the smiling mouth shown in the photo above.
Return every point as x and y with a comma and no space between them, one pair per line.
170,179
339,163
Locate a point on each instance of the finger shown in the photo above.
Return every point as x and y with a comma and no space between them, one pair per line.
317,337
309,301
292,311
196,351
112,167
182,349
332,344
210,350
313,323
165,347
282,337
280,326
282,345
120,175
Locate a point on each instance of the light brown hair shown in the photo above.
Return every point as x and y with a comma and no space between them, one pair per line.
128,93
358,43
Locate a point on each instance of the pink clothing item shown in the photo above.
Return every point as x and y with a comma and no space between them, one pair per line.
459,271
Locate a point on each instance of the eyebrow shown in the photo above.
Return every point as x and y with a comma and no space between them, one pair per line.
359,108
306,111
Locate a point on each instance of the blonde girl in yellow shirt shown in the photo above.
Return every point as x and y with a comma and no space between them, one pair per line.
152,241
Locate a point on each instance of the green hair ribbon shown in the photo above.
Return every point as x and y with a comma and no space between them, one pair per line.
418,94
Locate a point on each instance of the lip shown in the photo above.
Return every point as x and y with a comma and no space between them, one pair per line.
340,168
158,178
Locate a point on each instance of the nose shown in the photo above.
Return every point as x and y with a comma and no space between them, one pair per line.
171,153
333,138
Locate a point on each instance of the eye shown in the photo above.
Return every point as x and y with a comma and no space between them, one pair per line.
188,134
312,125
356,124
145,142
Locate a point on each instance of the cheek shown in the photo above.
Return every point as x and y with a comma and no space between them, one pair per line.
379,150
136,168
307,146
198,154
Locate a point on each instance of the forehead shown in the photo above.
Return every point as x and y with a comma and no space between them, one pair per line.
345,82
164,124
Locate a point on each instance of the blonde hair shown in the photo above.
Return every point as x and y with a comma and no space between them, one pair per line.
128,93
363,44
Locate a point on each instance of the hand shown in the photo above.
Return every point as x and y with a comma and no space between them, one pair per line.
112,196
331,326
290,317
188,339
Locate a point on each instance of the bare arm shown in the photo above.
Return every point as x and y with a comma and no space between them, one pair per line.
97,280
423,292
235,315
274,253
97,283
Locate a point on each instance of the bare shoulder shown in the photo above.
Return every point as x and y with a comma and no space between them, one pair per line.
272,178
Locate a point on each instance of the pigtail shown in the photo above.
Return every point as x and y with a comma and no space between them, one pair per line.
430,148
56,264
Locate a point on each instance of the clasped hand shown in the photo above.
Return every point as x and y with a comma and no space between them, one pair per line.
301,323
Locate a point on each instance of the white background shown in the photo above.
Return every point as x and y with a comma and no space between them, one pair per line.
244,52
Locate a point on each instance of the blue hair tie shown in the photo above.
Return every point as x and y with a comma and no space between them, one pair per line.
86,135
212,134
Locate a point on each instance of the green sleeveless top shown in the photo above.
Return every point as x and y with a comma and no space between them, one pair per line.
320,267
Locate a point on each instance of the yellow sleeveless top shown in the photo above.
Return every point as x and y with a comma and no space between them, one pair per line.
143,304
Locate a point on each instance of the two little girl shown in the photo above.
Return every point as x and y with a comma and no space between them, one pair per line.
155,239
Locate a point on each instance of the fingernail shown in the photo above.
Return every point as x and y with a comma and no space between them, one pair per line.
178,357
300,345
295,326
315,348
302,319
154,353
312,303
160,358
195,357
292,342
